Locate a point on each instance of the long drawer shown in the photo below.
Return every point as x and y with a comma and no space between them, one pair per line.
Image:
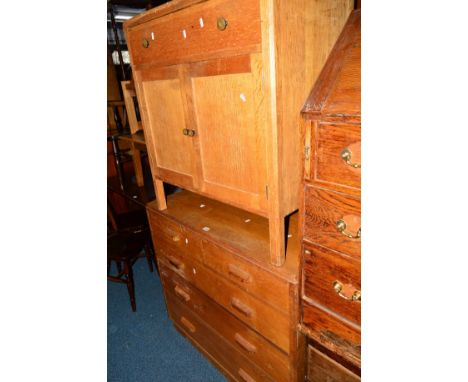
322,368
247,276
230,359
271,323
333,280
202,31
248,342
333,220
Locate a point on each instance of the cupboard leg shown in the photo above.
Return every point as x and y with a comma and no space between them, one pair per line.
277,241
160,194
138,166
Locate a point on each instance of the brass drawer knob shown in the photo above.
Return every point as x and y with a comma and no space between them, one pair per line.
188,132
341,227
338,287
346,155
222,23
145,43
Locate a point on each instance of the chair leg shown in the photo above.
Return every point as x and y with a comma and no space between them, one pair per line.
149,258
130,284
119,267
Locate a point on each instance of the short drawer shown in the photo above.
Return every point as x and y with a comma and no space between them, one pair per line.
249,343
247,276
229,358
333,220
171,236
342,338
338,155
322,368
333,280
268,321
203,31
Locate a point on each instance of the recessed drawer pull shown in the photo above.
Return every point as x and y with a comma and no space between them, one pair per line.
188,324
245,377
181,293
338,287
341,227
145,43
346,155
241,307
239,273
176,263
176,238
245,344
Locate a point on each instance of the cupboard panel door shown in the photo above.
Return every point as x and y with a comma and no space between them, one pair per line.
164,106
228,111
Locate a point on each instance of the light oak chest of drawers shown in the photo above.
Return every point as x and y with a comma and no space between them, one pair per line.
220,84
222,292
331,215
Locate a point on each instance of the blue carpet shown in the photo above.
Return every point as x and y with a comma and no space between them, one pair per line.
144,346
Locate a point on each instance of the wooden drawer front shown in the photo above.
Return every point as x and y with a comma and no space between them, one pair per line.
325,273
267,356
322,368
271,323
168,235
323,211
192,34
343,339
236,364
247,276
182,265
331,168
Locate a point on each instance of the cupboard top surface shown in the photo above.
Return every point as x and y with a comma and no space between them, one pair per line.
337,91
244,233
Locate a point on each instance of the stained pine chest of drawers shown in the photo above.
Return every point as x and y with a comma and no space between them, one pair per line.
220,84
222,292
331,218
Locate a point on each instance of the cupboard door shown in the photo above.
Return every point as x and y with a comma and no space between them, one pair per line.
163,100
228,112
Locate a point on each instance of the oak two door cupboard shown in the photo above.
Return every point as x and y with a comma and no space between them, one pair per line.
221,84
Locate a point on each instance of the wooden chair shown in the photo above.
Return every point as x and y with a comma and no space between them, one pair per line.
128,239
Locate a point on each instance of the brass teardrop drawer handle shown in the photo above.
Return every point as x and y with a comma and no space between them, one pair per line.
346,155
338,287
341,227
145,43
222,23
188,132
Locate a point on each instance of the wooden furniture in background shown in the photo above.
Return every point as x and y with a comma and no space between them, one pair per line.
137,144
331,215
223,293
220,84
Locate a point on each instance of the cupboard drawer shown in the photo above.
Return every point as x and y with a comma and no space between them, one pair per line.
193,34
170,236
247,276
236,333
322,368
182,265
237,365
338,153
333,220
334,281
342,338
269,322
